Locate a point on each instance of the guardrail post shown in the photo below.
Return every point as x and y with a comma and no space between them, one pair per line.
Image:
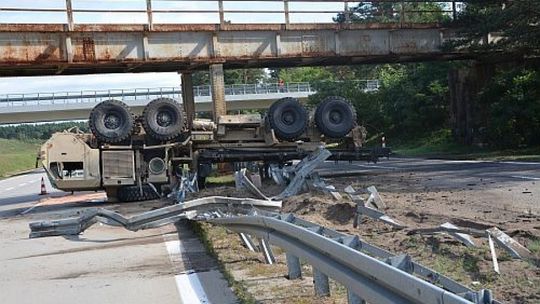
321,284
354,299
267,251
247,241
293,266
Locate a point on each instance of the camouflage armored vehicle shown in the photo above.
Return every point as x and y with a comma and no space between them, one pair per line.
137,157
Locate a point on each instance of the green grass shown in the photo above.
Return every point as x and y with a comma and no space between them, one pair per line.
16,156
441,145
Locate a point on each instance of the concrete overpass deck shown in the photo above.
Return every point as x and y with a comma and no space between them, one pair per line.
47,107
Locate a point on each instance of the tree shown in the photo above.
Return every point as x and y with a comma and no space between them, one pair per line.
515,24
240,76
386,12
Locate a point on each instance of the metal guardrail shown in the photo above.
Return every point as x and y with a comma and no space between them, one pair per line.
368,272
223,11
33,99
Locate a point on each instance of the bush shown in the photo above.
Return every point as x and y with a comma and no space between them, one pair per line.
513,105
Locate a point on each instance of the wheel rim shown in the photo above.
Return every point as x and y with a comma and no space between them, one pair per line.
336,117
288,118
165,118
112,121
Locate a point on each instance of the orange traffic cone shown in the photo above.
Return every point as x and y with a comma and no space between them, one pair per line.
43,189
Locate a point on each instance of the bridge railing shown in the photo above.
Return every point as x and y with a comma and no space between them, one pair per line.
150,12
127,95
29,99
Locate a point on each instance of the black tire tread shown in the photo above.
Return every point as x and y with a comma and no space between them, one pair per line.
148,128
94,129
271,122
319,117
133,194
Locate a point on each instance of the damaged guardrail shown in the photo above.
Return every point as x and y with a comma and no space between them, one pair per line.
369,273
150,219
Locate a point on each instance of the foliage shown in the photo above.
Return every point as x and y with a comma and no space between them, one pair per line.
411,101
305,74
515,22
243,76
38,131
513,103
385,12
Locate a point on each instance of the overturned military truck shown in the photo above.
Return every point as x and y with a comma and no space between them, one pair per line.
141,157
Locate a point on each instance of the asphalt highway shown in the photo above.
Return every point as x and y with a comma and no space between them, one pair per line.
105,264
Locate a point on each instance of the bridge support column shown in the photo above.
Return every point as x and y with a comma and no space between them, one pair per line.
217,82
465,114
187,97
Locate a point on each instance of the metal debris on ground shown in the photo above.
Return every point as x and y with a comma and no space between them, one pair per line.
187,182
297,175
513,247
374,200
493,254
462,237
319,184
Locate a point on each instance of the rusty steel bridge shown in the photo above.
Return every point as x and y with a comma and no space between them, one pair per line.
75,40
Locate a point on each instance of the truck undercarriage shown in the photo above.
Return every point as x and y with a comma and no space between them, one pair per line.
140,157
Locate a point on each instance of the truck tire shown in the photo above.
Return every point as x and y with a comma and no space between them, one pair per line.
111,121
133,194
163,119
335,117
288,118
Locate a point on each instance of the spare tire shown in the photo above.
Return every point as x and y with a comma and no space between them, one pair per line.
335,117
288,118
111,121
163,119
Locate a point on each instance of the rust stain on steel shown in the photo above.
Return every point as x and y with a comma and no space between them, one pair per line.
27,47
210,27
84,49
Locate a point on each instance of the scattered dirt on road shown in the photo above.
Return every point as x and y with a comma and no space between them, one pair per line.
418,201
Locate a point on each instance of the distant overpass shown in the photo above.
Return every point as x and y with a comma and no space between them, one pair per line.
71,45
49,107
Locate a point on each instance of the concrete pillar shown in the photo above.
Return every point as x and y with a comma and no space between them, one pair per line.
217,82
188,97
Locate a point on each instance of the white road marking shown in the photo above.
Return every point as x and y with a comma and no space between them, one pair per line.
526,177
376,166
192,290
31,208
9,189
519,163
188,284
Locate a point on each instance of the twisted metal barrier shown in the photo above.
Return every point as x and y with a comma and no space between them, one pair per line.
368,272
